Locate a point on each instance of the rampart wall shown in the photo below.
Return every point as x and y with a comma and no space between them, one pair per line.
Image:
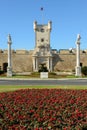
63,60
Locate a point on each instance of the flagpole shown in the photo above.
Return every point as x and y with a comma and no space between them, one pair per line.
42,13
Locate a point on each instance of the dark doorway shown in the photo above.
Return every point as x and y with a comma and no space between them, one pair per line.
5,67
81,64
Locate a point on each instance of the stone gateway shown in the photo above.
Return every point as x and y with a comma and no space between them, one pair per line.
42,53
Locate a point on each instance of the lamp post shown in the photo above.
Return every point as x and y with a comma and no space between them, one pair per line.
78,67
9,68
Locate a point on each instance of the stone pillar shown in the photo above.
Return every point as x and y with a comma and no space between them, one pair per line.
35,64
51,64
9,68
78,67
48,64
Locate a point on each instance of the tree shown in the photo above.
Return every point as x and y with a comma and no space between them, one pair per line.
43,68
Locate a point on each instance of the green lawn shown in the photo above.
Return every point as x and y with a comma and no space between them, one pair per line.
13,88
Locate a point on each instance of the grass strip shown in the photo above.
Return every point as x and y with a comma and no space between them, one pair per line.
13,87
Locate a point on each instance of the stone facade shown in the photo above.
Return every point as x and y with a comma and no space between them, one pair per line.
42,53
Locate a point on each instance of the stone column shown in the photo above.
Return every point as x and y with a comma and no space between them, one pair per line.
48,64
36,64
78,67
33,63
9,68
51,64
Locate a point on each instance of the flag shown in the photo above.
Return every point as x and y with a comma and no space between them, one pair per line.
41,8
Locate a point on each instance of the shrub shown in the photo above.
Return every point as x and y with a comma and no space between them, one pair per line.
84,70
1,71
43,68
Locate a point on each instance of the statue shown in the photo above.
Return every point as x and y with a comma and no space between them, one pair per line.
78,38
9,38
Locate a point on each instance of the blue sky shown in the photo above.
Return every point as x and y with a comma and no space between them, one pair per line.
69,17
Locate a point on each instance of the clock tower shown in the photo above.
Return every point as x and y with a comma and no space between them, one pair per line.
42,52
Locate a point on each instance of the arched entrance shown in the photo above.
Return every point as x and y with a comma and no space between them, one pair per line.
5,65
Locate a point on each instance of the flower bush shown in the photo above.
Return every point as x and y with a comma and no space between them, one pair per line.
43,109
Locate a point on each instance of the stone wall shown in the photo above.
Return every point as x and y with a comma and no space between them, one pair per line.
22,60
67,61
64,62
22,63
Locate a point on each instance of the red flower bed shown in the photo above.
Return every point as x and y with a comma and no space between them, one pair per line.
43,109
